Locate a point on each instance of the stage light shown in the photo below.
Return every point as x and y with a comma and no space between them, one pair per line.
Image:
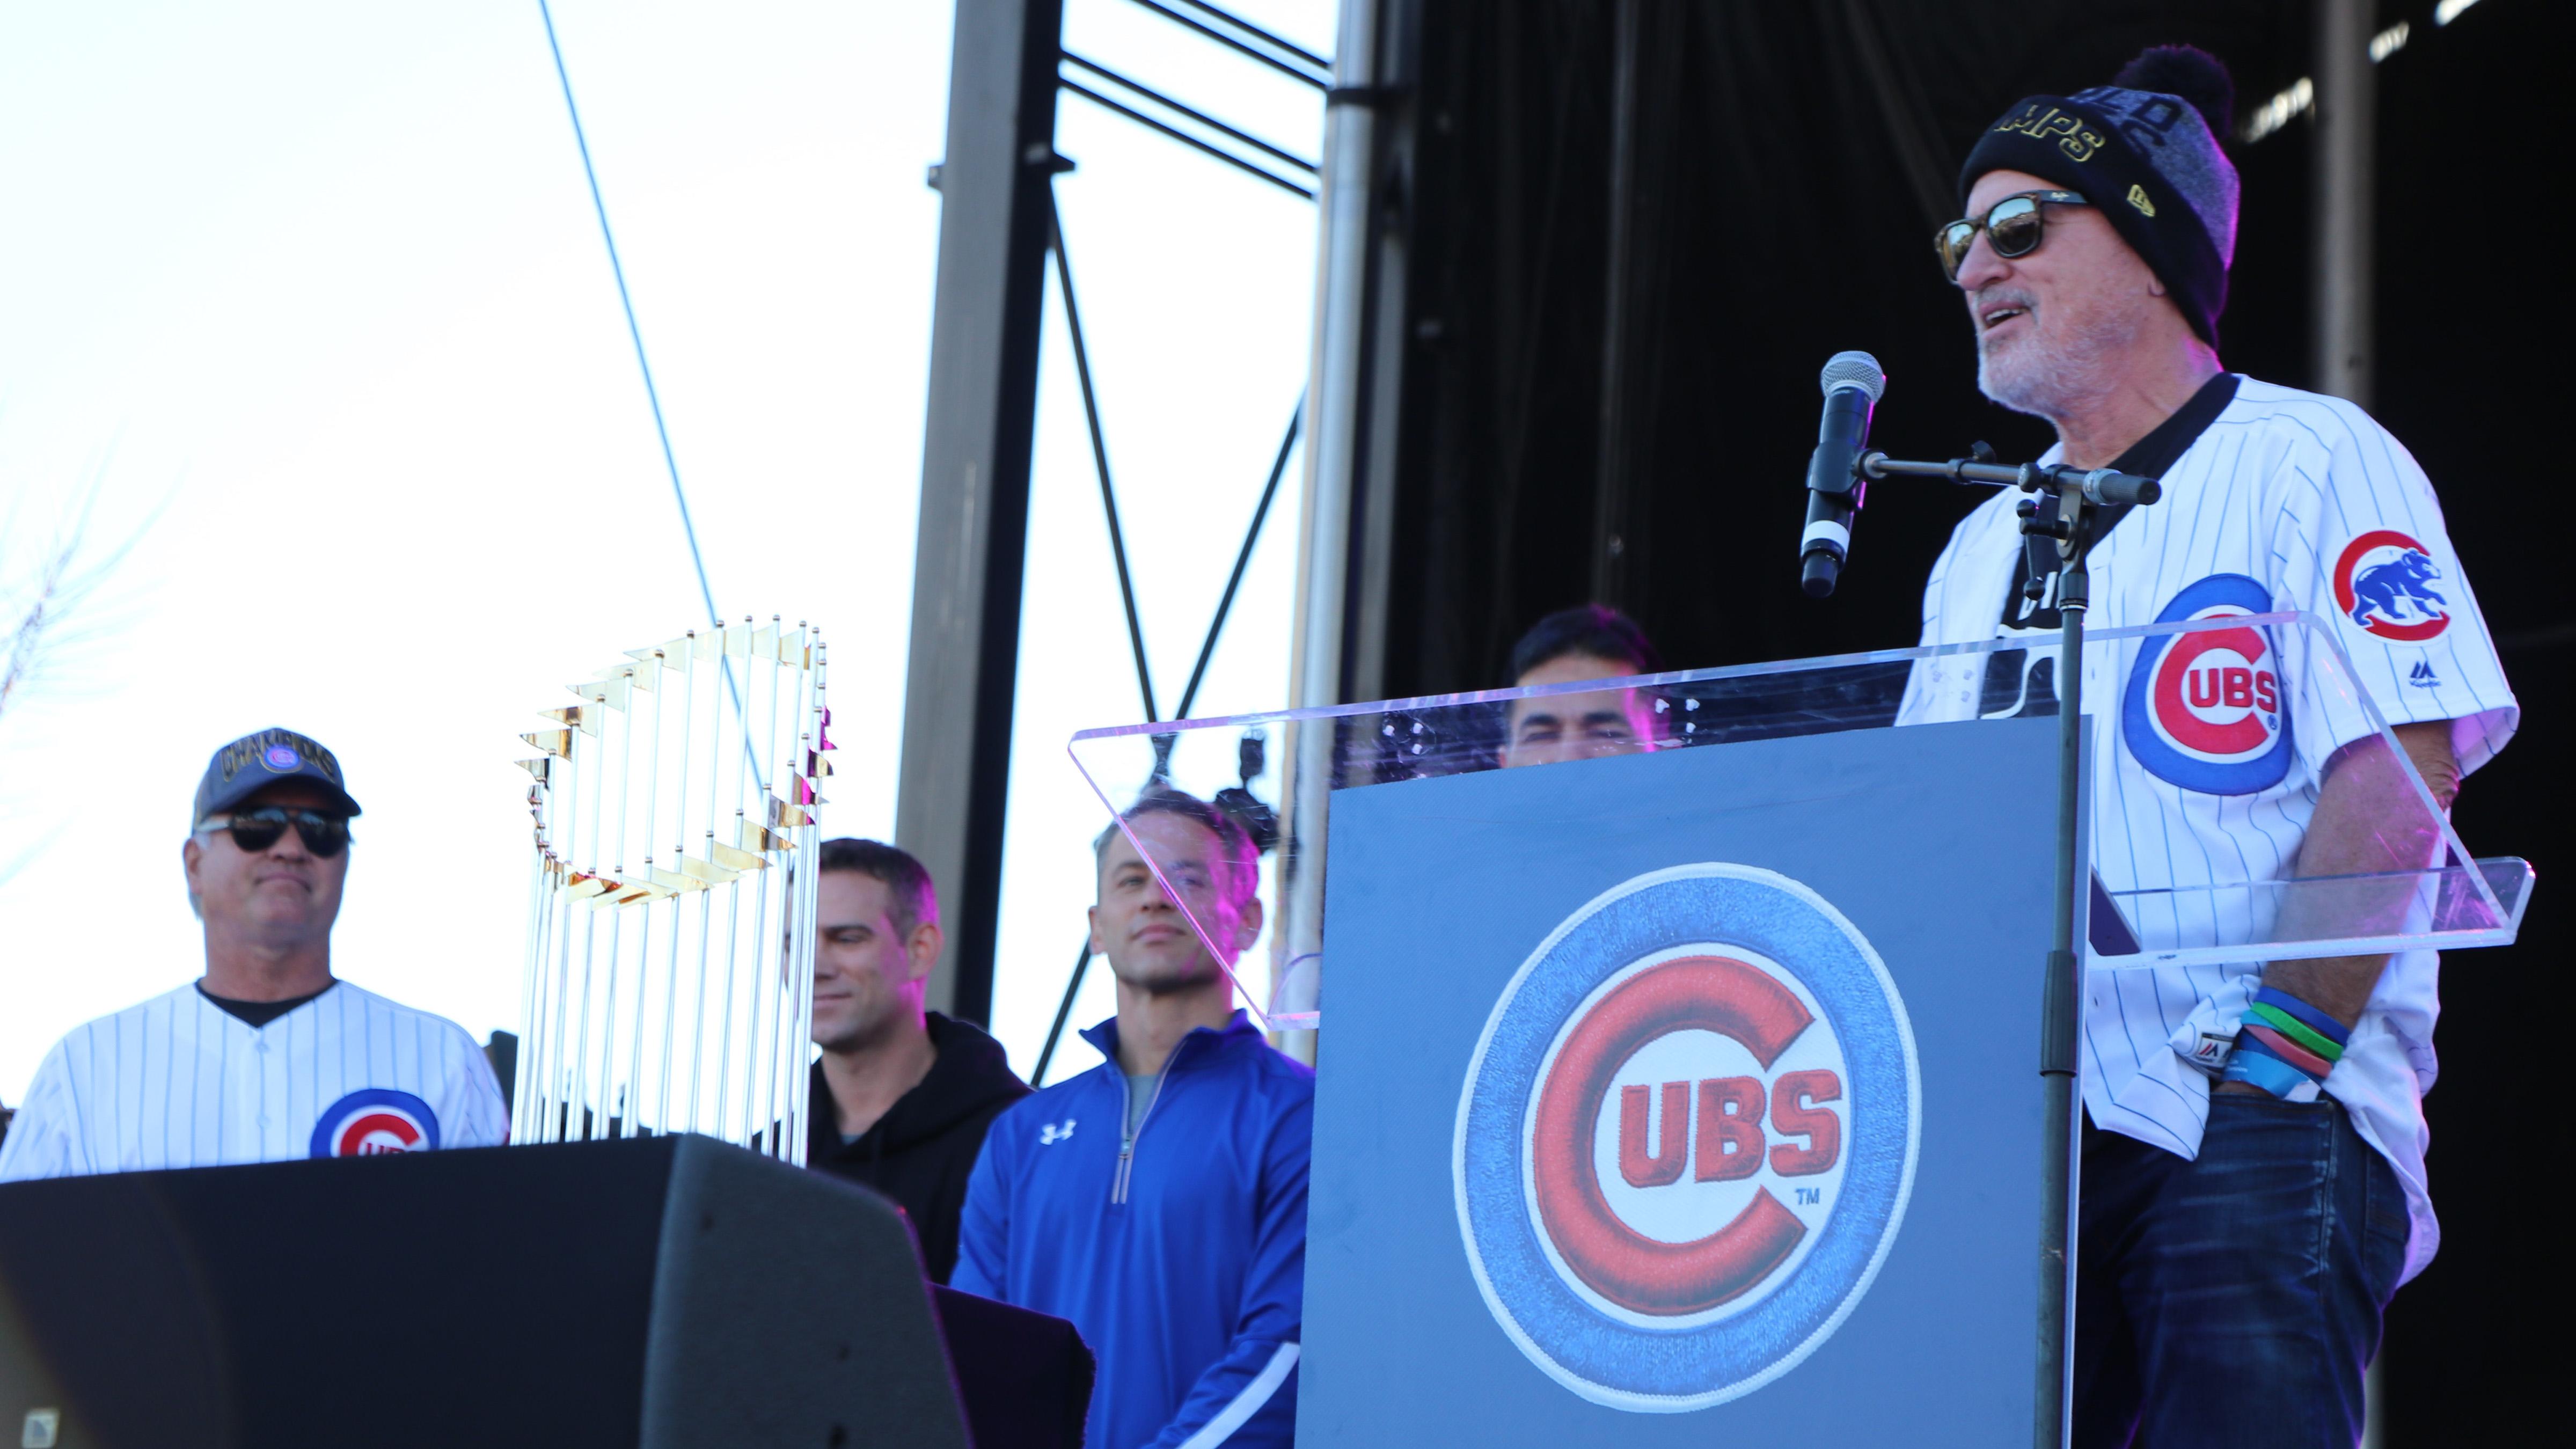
2277,112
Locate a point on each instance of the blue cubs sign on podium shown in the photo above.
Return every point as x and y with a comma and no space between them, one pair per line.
1686,1094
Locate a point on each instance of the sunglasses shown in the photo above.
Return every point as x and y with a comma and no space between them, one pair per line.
2013,225
256,830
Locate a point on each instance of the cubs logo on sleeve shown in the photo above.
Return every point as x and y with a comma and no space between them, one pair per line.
373,1123
2383,581
1687,1137
2206,711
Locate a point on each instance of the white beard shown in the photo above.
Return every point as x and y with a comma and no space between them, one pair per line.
2056,373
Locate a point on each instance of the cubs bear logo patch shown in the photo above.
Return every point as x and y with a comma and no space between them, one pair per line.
2383,581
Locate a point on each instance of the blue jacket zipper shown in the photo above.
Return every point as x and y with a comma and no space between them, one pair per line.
1127,1144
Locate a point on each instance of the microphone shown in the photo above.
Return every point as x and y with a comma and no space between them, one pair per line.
2103,486
1853,384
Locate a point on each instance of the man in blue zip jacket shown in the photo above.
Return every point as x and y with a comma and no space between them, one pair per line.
1159,1199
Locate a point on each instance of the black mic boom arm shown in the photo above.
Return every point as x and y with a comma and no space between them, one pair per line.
2099,485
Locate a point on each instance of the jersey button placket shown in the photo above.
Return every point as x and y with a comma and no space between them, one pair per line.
259,1046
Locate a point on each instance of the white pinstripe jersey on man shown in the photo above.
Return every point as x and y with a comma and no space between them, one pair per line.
2287,501
179,1082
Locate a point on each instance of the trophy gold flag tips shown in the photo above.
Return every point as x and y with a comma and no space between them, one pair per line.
669,984
610,692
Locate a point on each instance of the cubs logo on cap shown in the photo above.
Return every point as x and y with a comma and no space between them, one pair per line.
374,1122
2383,581
1687,1137
280,754
2209,711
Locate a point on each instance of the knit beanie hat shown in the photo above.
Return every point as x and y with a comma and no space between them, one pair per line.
2144,150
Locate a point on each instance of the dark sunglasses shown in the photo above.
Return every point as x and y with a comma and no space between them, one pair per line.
2014,225
257,829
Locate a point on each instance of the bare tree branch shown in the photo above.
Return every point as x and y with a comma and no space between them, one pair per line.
47,615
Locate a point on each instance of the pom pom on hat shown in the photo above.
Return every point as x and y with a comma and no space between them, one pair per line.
2189,72
2148,151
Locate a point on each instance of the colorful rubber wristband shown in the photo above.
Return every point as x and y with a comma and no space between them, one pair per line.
2290,1051
2324,1025
2295,1029
2264,1070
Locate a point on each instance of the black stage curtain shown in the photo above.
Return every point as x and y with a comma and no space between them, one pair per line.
1789,162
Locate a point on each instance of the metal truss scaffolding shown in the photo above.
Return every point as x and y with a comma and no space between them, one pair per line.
998,229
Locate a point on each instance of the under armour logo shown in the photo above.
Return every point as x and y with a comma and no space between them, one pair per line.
1050,1133
2423,677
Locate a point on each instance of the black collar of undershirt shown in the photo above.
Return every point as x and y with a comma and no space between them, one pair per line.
258,1013
2149,457
2166,442
2164,445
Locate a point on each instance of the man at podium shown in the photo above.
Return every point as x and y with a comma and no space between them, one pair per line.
2253,1186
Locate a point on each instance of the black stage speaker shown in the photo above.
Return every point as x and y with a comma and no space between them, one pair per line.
672,1292
1026,1377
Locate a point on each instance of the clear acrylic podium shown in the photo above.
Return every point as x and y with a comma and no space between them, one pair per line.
1816,895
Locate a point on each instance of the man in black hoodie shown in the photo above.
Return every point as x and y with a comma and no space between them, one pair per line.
901,1096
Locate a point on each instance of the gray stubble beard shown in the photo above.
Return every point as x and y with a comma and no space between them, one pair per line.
2054,378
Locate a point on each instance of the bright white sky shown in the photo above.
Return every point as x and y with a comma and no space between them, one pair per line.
312,295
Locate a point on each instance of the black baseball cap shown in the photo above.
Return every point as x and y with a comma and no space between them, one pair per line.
254,762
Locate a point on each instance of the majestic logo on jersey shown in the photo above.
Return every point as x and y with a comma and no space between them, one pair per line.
280,759
2208,711
1687,1137
373,1122
2383,583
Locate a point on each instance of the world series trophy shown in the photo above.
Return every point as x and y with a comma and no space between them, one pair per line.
670,947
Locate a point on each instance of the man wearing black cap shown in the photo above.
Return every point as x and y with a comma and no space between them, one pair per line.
268,1056
2253,1186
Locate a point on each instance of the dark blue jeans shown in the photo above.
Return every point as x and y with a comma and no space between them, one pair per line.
2233,1299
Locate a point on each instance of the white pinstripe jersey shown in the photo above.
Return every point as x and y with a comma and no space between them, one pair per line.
179,1082
2288,500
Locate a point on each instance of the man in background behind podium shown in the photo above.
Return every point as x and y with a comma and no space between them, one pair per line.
2253,1185
1181,1260
1588,641
268,1056
902,1096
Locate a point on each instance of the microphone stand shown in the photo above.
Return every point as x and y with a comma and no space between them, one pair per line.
2063,510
